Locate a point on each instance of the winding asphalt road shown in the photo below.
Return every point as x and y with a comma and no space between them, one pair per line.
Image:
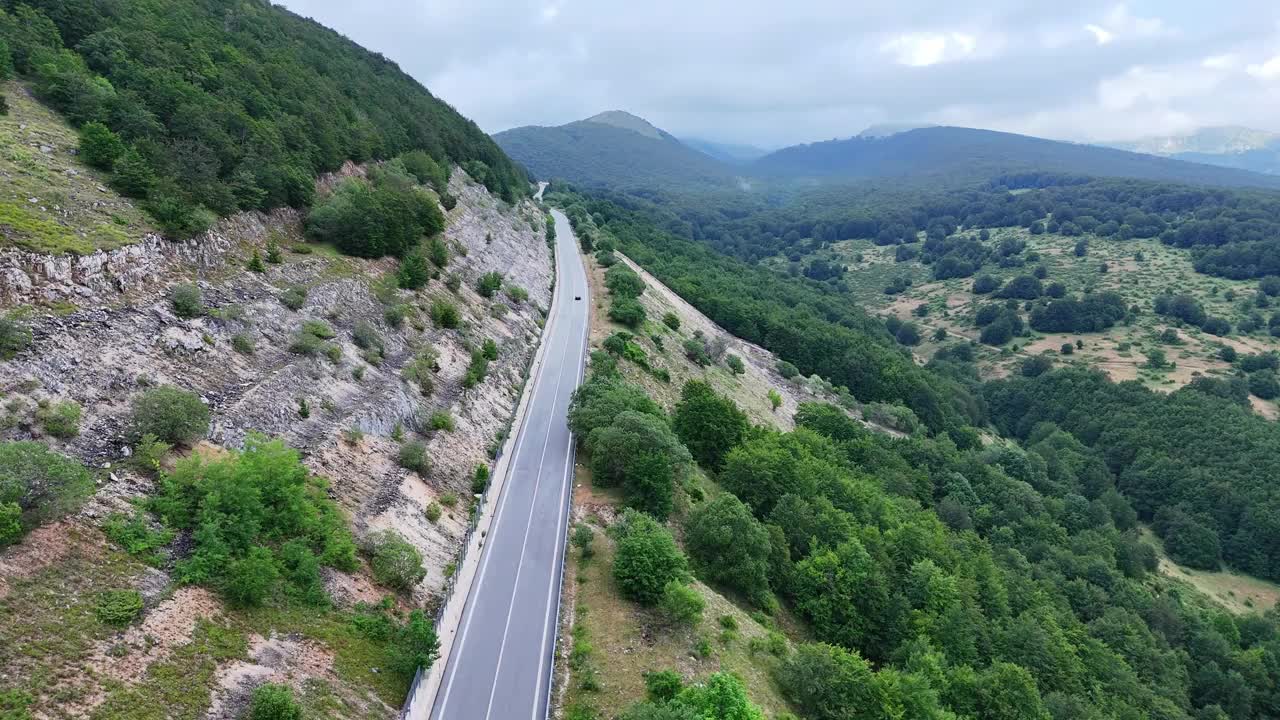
500,666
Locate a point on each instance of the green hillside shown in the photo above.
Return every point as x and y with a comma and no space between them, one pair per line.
206,108
613,150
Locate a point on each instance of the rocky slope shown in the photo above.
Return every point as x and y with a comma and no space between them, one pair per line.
104,329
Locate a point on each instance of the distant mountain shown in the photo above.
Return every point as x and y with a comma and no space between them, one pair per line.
613,149
1227,146
883,130
726,152
964,154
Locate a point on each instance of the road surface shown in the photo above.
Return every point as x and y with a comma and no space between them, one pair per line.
500,665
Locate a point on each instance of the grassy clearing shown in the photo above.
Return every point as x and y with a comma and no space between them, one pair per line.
1138,270
626,640
49,201
48,623
1238,593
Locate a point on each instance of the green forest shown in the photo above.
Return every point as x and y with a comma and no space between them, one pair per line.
942,575
204,108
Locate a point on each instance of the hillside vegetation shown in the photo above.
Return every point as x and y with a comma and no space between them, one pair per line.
597,154
202,108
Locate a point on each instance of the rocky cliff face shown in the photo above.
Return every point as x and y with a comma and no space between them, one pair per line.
104,330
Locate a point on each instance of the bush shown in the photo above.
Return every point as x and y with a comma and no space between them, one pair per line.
480,480
826,682
489,284
517,293
373,219
1036,365
696,351
681,604
394,561
249,580
787,370
425,168
775,399
671,320
242,343
442,420
1067,349
14,338
99,146
1264,384
170,415
489,349
422,369
735,364
709,424
985,284
445,314
135,536
583,538
294,297
647,558
186,301
414,645
624,282
413,456
627,311
118,607
60,419
433,512
413,272
133,175
273,702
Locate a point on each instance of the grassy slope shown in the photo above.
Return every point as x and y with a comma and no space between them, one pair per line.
72,212
952,304
1236,592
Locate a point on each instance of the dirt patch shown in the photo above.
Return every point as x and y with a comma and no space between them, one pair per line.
126,657
41,548
287,660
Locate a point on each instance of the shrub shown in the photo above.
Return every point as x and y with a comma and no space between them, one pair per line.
647,558
414,645
367,337
489,283
294,297
984,284
250,579
517,293
1264,384
1067,349
422,369
14,337
425,168
735,364
133,175
118,607
274,255
442,420
413,456
273,702
413,272
477,369
186,301
438,252
60,419
480,480
169,414
681,604
394,561
1036,365
830,683
242,343
99,146
583,538
624,282
135,536
775,399
671,320
696,351
787,370
433,512
42,485
255,263
708,423
373,219
445,314
489,349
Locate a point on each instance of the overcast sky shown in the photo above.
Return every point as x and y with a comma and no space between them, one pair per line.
777,72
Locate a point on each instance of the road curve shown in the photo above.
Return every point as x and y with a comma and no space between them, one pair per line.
500,665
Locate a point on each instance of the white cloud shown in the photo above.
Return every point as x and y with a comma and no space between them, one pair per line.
1100,34
929,48
1228,61
1265,70
1120,23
